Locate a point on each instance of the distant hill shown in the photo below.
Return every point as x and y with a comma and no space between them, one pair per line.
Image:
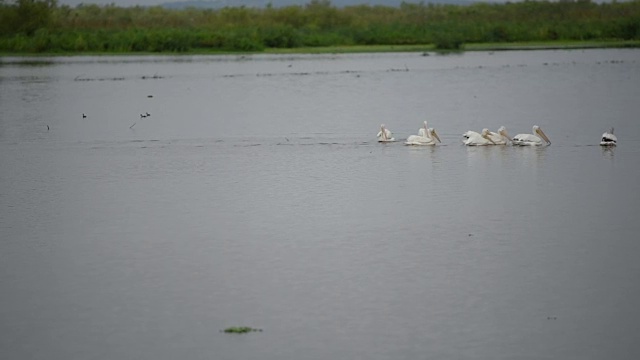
218,4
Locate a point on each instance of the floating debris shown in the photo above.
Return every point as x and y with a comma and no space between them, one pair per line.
80,78
240,330
155,76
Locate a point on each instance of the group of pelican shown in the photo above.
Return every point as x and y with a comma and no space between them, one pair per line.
501,137
428,136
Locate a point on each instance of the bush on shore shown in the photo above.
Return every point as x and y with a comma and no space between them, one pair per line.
37,26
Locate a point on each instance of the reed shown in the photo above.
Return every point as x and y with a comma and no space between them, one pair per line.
41,26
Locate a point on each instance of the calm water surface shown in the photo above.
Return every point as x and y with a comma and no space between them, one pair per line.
255,194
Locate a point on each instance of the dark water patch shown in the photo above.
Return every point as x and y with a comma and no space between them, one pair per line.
305,73
153,77
28,79
115,78
25,62
405,69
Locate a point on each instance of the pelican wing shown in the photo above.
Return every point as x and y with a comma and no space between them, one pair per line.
501,137
419,140
527,140
476,139
469,134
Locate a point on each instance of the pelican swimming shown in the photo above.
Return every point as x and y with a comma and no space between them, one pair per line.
534,139
608,139
424,130
469,134
425,137
384,135
501,137
480,139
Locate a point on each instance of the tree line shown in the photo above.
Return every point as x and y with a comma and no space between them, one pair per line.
33,26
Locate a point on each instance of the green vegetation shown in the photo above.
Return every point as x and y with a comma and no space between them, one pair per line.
42,26
240,330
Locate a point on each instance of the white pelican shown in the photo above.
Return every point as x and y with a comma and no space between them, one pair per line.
384,135
424,130
429,139
608,139
469,134
480,139
534,139
501,137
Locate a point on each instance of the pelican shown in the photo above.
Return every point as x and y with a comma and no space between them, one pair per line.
501,137
608,139
480,139
534,139
469,134
424,130
429,139
384,135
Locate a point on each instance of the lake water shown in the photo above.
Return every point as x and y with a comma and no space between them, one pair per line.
255,194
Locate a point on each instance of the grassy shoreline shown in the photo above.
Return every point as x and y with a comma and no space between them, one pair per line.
548,45
354,49
43,27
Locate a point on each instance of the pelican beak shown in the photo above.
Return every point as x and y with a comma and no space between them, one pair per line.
544,136
506,134
489,138
435,134
486,136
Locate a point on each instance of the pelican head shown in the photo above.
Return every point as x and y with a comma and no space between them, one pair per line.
433,133
485,134
503,131
538,131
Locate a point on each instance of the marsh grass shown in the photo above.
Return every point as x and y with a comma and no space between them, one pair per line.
315,27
